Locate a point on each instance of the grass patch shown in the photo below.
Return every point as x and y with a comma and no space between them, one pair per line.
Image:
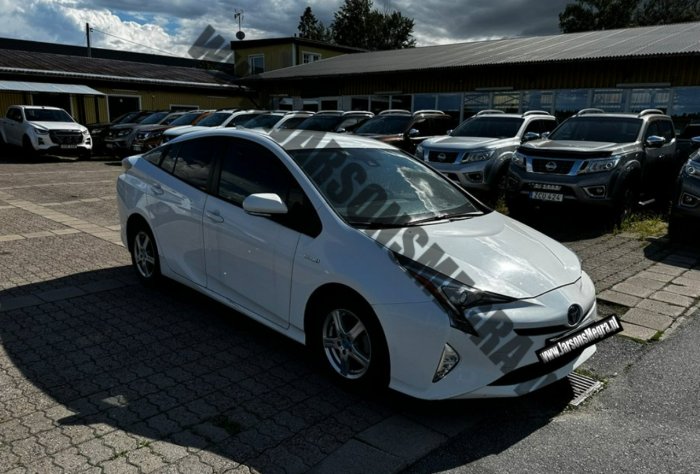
645,224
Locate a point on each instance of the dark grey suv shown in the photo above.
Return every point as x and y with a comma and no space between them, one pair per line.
611,160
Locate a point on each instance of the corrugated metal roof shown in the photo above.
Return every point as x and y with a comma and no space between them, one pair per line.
681,38
21,86
26,62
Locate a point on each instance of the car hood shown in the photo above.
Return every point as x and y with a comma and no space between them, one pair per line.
59,125
573,145
492,252
150,128
462,143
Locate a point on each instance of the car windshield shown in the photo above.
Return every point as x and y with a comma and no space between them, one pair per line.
170,119
127,117
266,121
321,123
241,119
47,115
292,122
488,127
214,120
186,119
381,187
154,118
598,129
385,125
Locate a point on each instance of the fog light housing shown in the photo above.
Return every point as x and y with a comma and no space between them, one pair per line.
40,141
595,191
448,361
688,200
475,177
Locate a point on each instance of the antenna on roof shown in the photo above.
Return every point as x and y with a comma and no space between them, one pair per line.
238,15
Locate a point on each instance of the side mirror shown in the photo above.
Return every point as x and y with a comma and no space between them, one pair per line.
654,141
412,133
530,136
449,132
341,130
264,204
545,135
695,142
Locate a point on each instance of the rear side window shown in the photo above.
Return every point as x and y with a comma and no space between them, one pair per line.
666,130
194,161
156,155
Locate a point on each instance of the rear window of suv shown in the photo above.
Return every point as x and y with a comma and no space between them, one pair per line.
385,125
599,129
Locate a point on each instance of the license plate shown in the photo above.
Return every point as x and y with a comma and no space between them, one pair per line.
543,196
546,187
580,339
70,147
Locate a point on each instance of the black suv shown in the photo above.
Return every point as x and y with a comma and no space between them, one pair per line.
610,160
404,129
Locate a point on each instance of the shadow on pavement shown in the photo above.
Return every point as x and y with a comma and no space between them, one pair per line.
169,364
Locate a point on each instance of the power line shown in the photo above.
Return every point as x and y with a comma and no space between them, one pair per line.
133,42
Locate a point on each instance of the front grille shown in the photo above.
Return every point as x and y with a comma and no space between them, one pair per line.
552,166
442,156
66,137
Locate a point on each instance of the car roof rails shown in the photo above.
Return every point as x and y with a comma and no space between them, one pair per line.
395,111
590,111
429,111
650,112
359,112
535,112
329,112
489,111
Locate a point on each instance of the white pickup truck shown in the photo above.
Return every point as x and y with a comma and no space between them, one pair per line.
45,130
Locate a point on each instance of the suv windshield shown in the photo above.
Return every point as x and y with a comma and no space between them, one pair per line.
214,120
154,118
47,115
322,123
598,129
265,121
395,189
186,119
385,125
488,127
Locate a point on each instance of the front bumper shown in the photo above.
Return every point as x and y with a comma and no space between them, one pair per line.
472,176
686,201
500,362
596,189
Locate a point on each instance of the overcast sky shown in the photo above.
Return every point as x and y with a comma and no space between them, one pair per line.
172,26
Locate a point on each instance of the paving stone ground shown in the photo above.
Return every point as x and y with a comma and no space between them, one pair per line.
99,374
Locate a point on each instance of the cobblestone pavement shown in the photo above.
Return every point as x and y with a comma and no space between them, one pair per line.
98,374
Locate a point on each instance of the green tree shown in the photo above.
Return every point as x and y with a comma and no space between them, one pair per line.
663,12
587,15
357,24
311,28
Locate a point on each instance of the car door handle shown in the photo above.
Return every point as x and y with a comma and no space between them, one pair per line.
156,189
214,216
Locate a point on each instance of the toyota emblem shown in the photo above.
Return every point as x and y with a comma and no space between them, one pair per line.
574,315
550,166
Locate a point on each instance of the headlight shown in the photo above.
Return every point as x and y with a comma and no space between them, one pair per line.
605,164
478,155
419,152
693,169
123,133
455,297
41,131
85,133
518,159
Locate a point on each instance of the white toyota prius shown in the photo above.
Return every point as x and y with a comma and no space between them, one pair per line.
388,271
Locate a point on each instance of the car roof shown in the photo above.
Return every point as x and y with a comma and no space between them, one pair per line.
293,139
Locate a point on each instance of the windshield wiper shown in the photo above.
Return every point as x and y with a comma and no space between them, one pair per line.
445,217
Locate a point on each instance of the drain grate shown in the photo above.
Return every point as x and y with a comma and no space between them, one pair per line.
583,387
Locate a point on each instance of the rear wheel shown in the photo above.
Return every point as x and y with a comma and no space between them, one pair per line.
349,342
144,256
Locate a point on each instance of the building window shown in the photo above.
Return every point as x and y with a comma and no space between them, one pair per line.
610,100
310,57
256,63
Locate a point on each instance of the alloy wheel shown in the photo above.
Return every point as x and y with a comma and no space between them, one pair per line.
144,255
346,343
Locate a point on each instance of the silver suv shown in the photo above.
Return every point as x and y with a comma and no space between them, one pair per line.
610,160
477,153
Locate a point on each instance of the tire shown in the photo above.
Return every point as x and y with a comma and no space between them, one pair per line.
349,343
28,148
144,256
499,187
625,203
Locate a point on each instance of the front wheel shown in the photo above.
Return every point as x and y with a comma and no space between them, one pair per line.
27,147
625,203
350,343
144,256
